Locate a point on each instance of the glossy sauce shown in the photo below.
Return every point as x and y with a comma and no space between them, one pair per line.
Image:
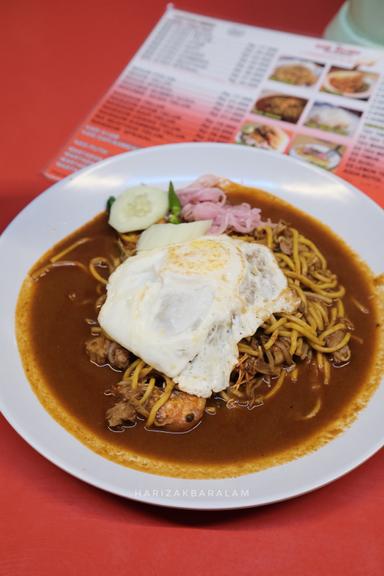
64,298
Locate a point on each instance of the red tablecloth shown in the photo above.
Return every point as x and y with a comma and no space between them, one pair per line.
58,59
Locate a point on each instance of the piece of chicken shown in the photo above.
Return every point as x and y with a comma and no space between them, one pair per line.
180,413
103,351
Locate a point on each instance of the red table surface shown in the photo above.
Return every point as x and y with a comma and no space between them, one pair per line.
58,59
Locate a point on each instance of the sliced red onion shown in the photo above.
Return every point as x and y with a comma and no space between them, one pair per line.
203,200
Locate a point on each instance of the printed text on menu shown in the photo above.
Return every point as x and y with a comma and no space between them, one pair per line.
201,79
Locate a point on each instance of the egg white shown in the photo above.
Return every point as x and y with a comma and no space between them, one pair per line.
184,308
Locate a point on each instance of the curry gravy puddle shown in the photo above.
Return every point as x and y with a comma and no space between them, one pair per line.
52,329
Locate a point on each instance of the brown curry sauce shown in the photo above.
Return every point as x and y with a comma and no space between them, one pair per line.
234,440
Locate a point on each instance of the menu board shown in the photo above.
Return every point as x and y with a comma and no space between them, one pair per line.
202,79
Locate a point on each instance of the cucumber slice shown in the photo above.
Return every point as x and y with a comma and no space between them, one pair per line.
161,235
137,208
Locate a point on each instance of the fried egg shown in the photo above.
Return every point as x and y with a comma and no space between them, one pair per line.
184,308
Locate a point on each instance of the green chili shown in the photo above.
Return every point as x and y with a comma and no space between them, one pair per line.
174,206
108,206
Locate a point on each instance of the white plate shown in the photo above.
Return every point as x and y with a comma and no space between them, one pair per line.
71,202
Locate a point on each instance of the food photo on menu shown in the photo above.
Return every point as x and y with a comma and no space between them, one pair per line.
322,153
262,135
296,71
350,83
280,106
333,118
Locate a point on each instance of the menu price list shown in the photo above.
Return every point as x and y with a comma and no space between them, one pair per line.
202,79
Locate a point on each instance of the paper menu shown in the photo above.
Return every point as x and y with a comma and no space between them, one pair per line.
202,79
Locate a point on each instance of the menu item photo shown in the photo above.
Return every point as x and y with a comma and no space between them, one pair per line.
264,136
176,90
324,154
350,83
280,106
331,118
296,71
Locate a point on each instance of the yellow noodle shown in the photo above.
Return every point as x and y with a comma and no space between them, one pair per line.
331,330
286,259
70,248
248,350
276,387
271,340
145,371
294,374
327,285
322,311
300,293
160,402
269,238
340,309
304,265
286,333
61,264
130,369
319,297
338,293
97,276
330,349
315,410
333,317
292,347
327,372
275,325
295,254
270,358
360,306
136,373
315,249
309,256
307,332
148,391
312,322
299,321
323,278
313,286
93,265
317,316
320,360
